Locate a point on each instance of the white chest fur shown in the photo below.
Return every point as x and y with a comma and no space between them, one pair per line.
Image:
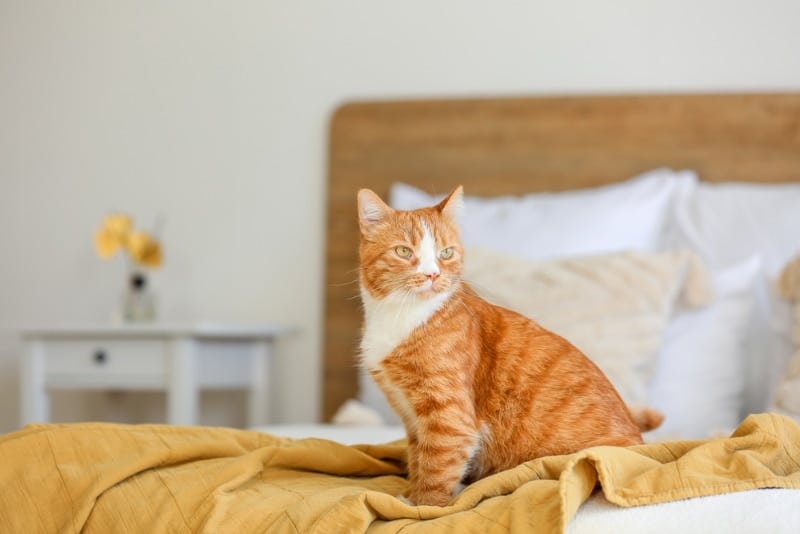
389,321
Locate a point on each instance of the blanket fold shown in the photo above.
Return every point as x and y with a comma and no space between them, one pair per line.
96,477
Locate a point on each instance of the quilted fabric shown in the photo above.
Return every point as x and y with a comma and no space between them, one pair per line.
93,477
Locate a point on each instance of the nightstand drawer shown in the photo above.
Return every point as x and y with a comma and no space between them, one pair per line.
106,357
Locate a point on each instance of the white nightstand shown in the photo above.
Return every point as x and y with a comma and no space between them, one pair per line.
178,359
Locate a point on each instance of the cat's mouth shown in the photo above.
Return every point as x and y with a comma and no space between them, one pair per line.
428,287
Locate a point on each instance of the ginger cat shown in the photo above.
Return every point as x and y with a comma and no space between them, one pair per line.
479,388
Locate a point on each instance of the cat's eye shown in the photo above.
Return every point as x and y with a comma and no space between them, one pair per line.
446,253
403,252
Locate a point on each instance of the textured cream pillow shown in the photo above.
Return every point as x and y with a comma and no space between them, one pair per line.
787,395
614,307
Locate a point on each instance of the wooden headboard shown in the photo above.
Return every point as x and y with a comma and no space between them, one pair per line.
521,145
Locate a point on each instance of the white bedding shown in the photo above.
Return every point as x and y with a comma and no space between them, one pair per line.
747,512
346,434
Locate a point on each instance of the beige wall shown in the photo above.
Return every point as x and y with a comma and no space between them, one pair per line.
214,114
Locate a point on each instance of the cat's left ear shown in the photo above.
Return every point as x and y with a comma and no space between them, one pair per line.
371,209
452,206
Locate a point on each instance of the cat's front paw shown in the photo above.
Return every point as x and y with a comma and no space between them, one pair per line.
430,497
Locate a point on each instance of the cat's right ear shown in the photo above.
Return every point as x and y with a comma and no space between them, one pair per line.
371,210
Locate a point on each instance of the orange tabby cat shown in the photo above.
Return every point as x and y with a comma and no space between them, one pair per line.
479,388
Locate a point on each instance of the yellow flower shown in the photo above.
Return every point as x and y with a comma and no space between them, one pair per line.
144,249
112,235
116,233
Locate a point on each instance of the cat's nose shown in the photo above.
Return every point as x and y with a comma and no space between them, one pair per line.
432,276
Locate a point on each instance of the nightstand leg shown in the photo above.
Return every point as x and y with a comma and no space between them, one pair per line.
182,384
258,409
34,406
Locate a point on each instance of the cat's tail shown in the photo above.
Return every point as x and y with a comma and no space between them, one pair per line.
646,418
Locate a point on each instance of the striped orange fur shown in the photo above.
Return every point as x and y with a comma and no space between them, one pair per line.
479,388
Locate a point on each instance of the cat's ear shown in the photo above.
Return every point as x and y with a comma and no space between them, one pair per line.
371,209
453,205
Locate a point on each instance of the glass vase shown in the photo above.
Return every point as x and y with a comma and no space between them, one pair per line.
139,304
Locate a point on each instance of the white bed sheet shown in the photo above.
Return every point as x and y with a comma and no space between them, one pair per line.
756,511
346,434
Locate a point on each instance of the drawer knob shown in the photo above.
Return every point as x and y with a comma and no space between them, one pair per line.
100,357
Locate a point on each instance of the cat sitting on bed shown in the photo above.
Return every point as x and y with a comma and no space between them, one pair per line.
479,388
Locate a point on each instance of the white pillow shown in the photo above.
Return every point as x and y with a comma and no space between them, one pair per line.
629,215
727,224
700,379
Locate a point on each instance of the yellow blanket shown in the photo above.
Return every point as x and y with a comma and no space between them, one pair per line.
149,478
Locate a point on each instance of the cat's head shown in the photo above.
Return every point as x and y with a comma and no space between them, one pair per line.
407,253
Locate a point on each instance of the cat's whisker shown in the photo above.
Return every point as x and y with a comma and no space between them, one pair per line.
401,310
389,287
462,303
343,284
480,287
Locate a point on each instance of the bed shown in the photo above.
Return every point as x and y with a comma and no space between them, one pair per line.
667,216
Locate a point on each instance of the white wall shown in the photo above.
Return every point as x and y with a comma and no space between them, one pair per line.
214,114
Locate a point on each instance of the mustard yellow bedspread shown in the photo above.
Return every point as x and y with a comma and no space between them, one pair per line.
108,478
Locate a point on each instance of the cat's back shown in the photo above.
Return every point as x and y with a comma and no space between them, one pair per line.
539,386
503,329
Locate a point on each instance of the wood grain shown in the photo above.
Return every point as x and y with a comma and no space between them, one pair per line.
522,145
